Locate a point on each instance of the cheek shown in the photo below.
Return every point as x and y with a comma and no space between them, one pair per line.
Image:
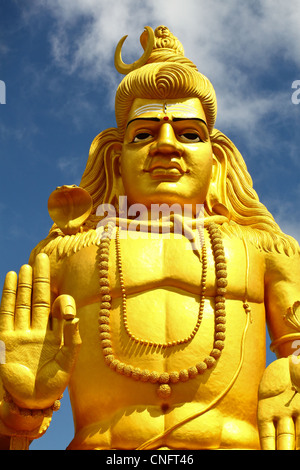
130,172
202,163
125,165
132,163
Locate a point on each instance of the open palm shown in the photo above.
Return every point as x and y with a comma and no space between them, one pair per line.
41,344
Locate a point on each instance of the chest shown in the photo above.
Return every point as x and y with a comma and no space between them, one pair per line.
170,263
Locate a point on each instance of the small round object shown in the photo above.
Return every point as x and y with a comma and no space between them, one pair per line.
154,376
120,368
218,245
164,378
106,343
128,370
219,306
183,375
221,266
103,265
219,252
220,336
104,335
215,353
174,377
104,328
220,313
114,364
104,250
104,312
220,320
209,361
108,359
221,290
222,273
107,351
103,273
222,282
104,290
106,298
136,373
220,327
105,305
164,391
216,238
145,375
193,372
201,367
104,320
219,344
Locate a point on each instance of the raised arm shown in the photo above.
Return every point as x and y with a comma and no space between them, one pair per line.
41,342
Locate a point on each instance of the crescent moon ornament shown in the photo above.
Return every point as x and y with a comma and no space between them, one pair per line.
126,68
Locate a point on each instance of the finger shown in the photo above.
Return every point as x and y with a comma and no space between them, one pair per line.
41,292
7,309
23,302
267,433
67,355
297,432
285,434
63,308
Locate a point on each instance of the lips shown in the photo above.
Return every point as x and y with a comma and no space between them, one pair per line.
162,172
162,167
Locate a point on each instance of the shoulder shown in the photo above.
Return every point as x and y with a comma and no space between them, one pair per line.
282,266
59,246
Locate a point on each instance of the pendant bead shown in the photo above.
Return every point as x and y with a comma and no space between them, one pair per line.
164,391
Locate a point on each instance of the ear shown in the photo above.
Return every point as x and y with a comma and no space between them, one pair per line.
116,160
216,198
114,184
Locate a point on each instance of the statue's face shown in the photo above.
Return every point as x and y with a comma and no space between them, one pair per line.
167,154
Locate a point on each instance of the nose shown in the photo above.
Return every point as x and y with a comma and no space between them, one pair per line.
166,142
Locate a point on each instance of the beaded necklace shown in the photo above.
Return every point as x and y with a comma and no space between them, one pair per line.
124,301
164,380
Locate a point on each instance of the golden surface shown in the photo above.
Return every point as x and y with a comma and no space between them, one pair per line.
165,150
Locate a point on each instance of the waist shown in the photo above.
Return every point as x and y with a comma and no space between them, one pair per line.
148,429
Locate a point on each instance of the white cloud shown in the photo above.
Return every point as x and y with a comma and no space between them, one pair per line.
71,168
232,42
239,46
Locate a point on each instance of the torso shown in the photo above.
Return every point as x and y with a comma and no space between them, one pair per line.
162,279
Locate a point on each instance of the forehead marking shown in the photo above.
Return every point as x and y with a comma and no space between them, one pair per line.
177,107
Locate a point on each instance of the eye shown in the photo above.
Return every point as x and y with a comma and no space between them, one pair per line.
142,137
190,137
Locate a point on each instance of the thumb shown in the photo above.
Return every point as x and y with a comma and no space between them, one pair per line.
64,308
294,364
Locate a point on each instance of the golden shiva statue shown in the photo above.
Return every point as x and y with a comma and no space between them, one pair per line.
160,339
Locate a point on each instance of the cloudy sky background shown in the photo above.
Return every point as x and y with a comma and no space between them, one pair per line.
56,60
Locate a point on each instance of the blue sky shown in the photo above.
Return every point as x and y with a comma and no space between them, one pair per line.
56,60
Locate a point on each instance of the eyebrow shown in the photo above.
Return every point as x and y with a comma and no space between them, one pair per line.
143,119
173,120
190,119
